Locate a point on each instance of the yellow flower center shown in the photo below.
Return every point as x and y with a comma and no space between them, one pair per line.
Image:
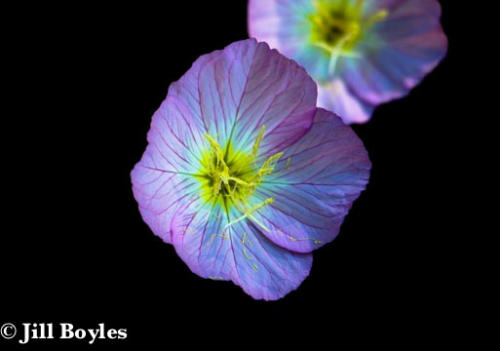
229,177
337,26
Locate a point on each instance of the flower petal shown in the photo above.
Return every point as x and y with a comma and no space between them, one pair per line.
162,178
336,97
279,23
278,94
286,133
238,252
313,186
159,195
408,45
211,90
233,92
283,25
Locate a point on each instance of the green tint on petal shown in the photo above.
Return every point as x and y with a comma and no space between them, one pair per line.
338,26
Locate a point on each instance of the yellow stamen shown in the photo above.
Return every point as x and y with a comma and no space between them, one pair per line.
256,145
229,178
216,147
378,16
268,165
249,214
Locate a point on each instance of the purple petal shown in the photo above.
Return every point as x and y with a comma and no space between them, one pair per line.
213,87
278,94
238,252
412,43
284,26
162,178
279,22
265,270
159,195
286,133
263,23
336,97
314,185
198,239
233,92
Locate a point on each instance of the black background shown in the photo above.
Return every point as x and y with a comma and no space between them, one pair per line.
86,81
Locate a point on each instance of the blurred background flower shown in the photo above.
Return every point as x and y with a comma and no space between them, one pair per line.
360,52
